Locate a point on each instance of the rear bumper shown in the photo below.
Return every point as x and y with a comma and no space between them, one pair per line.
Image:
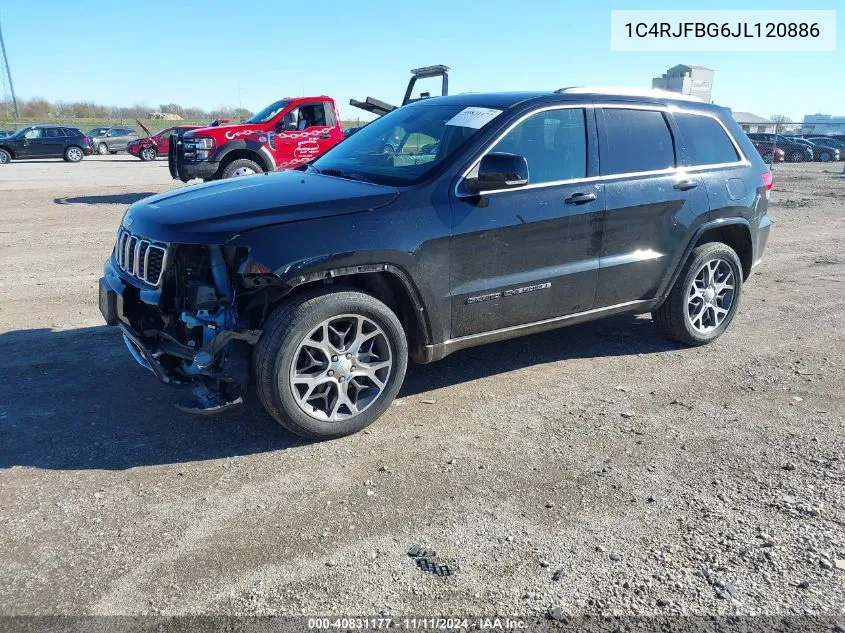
761,238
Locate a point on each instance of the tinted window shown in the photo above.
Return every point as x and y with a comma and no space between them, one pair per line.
637,140
364,155
706,141
554,143
35,132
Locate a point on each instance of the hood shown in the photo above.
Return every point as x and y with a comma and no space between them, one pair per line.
144,127
231,132
215,212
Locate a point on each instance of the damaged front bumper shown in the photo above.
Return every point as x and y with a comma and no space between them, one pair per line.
216,357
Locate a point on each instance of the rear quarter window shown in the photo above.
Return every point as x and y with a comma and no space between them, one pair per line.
637,141
705,140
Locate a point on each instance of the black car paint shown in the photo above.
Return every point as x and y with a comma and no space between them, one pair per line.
21,148
619,253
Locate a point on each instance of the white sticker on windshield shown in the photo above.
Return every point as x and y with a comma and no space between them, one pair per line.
473,117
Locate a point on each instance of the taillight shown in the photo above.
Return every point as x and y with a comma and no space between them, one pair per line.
767,180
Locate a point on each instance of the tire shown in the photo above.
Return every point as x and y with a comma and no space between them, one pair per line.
278,359
102,149
825,157
674,319
148,153
768,158
5,157
796,157
74,154
240,167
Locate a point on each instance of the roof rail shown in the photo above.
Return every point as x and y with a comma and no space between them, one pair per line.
627,91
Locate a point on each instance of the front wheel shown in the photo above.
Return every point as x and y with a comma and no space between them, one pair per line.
241,167
705,296
73,154
102,149
330,363
796,157
148,153
825,157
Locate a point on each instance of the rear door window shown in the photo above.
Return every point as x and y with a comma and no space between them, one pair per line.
636,141
705,140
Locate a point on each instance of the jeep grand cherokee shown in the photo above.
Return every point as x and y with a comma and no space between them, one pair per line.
494,216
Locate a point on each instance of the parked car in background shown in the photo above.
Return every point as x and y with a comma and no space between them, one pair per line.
153,145
316,285
767,152
45,141
111,139
827,141
820,153
795,152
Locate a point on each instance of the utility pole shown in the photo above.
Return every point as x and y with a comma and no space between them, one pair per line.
7,78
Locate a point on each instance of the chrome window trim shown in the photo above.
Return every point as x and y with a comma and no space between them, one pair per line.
680,170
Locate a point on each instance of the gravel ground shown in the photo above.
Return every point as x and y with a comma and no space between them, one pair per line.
596,469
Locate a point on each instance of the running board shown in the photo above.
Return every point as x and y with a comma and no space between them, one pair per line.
432,353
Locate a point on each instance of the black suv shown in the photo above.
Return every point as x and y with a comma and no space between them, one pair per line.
495,216
45,141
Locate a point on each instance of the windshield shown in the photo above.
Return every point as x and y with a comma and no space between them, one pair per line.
20,131
403,147
268,113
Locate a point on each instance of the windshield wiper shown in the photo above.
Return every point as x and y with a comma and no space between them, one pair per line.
344,174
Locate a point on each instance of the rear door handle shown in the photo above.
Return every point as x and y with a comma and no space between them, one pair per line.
686,184
580,198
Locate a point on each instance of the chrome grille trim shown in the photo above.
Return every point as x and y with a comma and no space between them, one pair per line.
130,250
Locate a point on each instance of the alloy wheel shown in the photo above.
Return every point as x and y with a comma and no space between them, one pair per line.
102,149
341,367
74,154
149,154
710,297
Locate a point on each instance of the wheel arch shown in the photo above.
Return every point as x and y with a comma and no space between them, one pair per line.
250,150
8,149
386,282
735,232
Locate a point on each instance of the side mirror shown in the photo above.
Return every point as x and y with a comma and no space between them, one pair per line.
499,171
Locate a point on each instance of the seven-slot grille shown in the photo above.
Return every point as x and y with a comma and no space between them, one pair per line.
140,258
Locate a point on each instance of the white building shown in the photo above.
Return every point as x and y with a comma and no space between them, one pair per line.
689,80
753,123
823,124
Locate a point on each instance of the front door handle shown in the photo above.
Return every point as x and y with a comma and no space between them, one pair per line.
686,184
580,198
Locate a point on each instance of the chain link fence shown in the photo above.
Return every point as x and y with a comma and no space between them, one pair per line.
781,131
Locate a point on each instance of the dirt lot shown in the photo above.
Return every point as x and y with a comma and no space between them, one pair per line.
595,469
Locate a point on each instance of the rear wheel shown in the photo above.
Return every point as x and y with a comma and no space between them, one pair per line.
768,158
73,154
705,296
102,149
330,363
5,157
148,153
796,157
241,167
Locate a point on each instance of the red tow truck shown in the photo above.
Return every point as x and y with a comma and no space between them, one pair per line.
285,134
